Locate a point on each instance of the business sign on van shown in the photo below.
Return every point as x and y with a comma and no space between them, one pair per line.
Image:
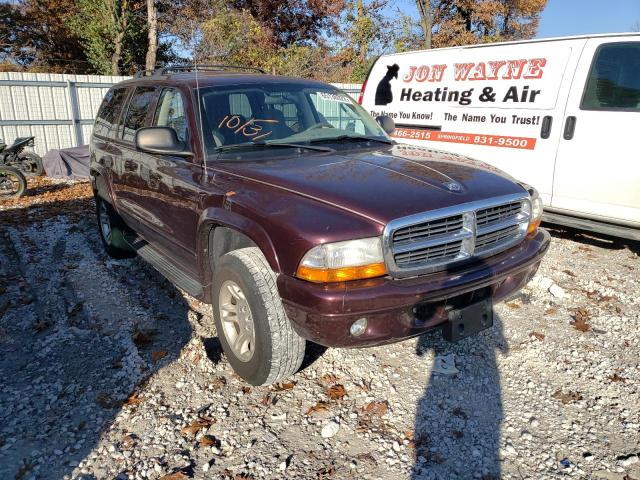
466,86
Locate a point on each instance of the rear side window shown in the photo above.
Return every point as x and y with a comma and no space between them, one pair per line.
170,113
137,112
109,112
614,80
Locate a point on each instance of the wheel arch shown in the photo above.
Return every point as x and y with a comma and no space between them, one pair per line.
221,231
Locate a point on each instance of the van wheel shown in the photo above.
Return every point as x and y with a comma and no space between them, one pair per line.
111,228
252,326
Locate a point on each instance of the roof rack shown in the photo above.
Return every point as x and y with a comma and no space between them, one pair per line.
193,68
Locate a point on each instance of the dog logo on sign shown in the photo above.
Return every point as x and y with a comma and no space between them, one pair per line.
383,91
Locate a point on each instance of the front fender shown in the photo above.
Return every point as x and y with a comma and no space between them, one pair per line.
214,216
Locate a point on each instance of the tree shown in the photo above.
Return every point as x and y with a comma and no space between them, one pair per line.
35,34
424,10
152,26
294,22
463,22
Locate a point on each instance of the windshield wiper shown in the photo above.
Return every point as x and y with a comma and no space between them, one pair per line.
236,146
359,138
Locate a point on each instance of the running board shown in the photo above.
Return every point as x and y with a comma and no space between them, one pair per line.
158,261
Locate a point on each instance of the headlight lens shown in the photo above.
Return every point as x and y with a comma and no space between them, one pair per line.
342,261
536,213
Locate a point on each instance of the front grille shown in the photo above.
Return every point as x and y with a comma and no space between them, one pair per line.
420,231
418,257
490,240
498,213
435,240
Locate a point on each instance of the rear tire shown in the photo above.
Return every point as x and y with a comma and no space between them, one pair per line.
111,229
12,183
255,333
30,164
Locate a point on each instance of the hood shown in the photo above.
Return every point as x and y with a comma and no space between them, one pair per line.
383,184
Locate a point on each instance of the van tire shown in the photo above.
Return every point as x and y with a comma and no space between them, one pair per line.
278,350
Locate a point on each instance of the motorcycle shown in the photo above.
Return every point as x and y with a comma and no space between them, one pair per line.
14,156
12,183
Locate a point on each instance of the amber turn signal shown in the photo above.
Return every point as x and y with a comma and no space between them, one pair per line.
533,227
327,275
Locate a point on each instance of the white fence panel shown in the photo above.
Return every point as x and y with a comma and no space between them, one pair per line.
59,110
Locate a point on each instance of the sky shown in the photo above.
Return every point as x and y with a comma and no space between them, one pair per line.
575,17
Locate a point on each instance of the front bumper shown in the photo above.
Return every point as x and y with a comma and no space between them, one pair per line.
399,309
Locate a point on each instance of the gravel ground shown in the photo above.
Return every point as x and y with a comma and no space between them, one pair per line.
108,371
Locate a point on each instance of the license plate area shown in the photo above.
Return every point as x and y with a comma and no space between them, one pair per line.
469,320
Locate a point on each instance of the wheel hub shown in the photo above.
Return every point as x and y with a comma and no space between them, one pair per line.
237,320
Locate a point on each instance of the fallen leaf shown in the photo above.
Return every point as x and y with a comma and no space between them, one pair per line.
41,326
328,378
551,311
318,407
580,317
457,434
568,397
376,408
133,399
617,378
195,426
141,338
336,392
246,390
280,387
266,399
570,273
174,476
159,355
218,382
537,335
408,434
209,441
513,306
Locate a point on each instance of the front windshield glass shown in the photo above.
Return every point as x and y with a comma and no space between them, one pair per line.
281,113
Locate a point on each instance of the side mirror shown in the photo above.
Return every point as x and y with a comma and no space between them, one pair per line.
161,140
387,123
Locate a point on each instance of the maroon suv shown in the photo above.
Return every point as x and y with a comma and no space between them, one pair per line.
282,203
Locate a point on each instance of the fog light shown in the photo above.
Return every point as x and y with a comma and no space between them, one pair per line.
358,327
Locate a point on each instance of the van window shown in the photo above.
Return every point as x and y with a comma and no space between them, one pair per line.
137,112
109,112
170,113
614,80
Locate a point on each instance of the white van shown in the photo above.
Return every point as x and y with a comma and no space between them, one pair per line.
561,114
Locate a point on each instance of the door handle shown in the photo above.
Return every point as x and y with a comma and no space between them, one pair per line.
545,131
569,128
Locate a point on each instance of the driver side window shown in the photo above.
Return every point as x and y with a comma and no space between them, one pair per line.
170,113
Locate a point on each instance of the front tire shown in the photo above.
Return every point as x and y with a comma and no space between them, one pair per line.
252,326
111,229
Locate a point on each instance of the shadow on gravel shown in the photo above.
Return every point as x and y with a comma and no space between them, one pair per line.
459,417
79,334
592,238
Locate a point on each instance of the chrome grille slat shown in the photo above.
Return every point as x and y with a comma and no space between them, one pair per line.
432,241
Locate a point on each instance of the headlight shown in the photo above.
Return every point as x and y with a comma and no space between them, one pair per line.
342,261
536,212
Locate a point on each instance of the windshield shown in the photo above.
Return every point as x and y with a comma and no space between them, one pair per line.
281,113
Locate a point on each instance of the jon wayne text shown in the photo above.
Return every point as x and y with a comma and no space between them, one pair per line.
532,68
493,118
